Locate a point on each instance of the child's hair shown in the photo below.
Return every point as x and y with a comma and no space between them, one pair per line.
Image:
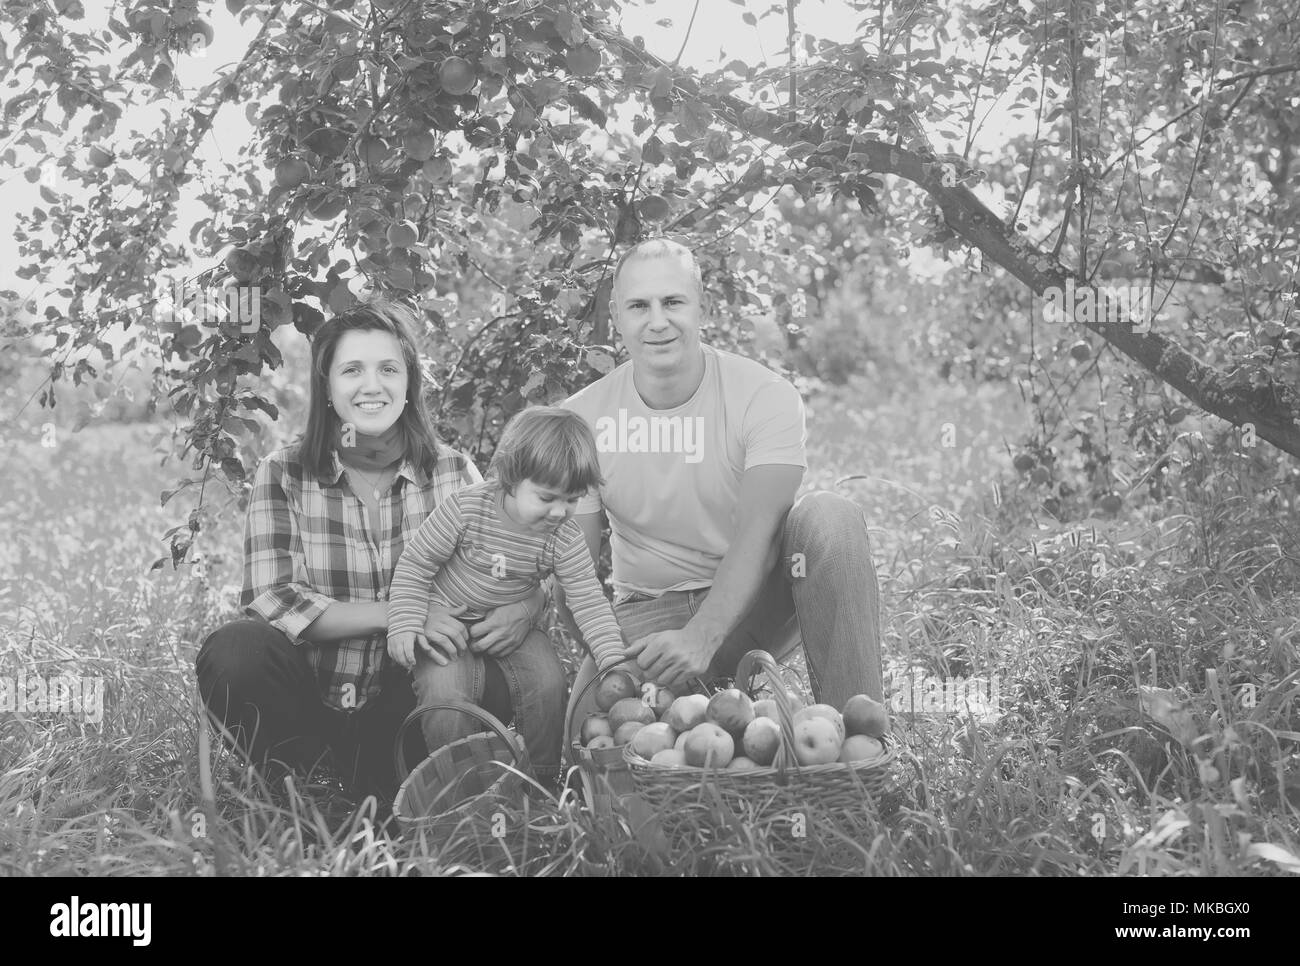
552,446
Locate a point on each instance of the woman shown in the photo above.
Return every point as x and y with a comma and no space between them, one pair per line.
327,520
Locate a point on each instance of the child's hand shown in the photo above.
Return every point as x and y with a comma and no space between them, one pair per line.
405,645
402,645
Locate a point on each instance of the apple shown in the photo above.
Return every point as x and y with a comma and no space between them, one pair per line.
766,707
626,732
615,686
761,740
652,739
627,710
291,172
708,746
654,208
403,234
686,712
593,725
327,207
731,710
242,264
419,145
741,763
865,716
816,741
822,711
680,743
669,756
861,748
658,698
456,76
600,741
437,169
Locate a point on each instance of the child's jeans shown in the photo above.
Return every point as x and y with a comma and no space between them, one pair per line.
535,682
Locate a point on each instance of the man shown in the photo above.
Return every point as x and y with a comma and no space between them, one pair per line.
702,452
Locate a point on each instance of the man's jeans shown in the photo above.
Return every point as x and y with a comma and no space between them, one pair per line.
533,696
823,590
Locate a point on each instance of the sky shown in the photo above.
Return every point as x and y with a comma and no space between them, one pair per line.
718,35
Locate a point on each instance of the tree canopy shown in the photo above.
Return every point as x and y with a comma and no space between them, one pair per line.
431,150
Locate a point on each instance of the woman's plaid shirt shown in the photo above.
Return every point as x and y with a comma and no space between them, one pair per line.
308,543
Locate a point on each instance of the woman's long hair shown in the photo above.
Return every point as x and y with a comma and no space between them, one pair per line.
419,440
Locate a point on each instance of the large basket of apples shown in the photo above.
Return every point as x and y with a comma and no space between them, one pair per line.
772,751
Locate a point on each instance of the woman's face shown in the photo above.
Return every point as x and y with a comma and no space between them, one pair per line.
367,380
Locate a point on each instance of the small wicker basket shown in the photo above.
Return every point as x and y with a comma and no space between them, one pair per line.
605,778
466,778
784,785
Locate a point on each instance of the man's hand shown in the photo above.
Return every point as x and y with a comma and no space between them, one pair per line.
443,628
504,628
673,658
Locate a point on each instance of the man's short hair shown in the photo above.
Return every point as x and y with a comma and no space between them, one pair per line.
661,247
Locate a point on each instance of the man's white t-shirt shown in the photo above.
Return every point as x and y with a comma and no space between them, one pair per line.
672,476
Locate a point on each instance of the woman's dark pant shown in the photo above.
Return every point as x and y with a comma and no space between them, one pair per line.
263,691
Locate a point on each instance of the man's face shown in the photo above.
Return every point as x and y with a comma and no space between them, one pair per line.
657,309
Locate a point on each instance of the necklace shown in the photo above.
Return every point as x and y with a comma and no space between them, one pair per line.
372,483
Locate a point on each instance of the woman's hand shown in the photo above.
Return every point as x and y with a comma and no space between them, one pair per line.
443,630
506,627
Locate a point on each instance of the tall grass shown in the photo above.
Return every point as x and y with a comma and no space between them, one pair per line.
1087,772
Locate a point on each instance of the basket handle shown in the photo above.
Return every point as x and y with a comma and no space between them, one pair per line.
785,758
464,707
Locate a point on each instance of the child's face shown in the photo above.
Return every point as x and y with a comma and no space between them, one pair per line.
541,507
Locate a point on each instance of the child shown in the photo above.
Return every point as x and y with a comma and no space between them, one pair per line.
491,543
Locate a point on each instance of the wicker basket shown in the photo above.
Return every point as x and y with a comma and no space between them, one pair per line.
605,778
466,778
845,788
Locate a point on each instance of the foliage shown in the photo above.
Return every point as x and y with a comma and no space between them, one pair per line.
488,161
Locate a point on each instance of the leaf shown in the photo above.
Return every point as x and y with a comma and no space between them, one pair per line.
1167,711
600,360
1275,854
661,82
157,564
233,468
928,68
588,108
535,381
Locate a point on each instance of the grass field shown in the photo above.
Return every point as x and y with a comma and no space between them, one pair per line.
1084,772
